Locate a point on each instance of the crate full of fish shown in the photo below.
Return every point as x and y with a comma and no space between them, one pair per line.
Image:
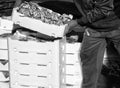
32,16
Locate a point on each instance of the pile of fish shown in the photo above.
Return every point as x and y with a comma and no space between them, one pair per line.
33,10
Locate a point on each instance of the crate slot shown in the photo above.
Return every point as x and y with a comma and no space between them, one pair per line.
70,85
41,65
23,52
3,49
70,53
24,64
42,76
70,74
70,64
24,74
41,53
25,85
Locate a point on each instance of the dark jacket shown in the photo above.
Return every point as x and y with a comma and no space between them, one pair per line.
101,15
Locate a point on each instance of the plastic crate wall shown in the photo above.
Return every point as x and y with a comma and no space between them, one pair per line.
39,26
44,65
71,66
4,69
34,64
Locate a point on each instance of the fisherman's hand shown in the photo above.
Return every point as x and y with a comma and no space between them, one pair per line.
72,23
69,26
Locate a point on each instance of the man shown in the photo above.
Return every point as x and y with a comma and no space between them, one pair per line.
101,19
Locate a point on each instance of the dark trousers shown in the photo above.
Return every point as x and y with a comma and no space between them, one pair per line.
92,53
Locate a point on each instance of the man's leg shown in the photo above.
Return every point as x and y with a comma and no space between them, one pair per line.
92,53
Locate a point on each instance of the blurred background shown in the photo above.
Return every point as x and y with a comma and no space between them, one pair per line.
110,75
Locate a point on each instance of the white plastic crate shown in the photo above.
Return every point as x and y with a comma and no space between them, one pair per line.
31,47
73,80
47,65
37,25
72,58
6,24
34,64
73,72
73,69
26,58
72,48
33,81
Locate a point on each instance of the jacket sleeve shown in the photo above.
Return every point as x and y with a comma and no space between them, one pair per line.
18,3
97,10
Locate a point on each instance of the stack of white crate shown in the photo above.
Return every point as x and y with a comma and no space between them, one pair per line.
34,64
44,65
72,65
4,71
